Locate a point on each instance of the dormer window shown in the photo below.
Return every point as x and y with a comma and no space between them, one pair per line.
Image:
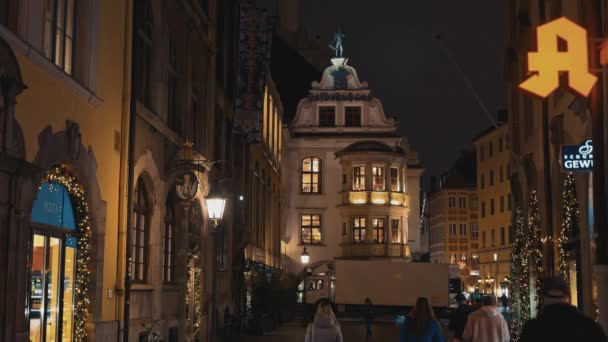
352,116
327,116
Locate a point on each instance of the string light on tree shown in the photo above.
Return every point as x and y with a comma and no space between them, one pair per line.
520,292
534,245
570,214
194,301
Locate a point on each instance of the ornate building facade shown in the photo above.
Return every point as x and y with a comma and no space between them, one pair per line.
351,181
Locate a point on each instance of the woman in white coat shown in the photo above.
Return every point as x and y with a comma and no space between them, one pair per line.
325,327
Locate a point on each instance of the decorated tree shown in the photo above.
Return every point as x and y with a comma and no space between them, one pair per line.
519,289
570,214
533,247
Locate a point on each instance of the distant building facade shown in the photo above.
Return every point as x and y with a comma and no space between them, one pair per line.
351,182
494,191
454,220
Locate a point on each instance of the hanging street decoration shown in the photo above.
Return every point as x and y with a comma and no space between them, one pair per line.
548,62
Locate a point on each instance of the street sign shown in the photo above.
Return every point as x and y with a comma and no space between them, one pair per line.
578,158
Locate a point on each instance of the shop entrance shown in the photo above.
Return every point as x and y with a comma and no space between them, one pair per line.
52,266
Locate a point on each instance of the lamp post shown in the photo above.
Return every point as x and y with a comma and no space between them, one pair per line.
216,202
305,258
495,273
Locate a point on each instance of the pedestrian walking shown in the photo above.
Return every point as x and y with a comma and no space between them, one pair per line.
558,320
505,302
368,317
325,327
458,318
420,325
486,324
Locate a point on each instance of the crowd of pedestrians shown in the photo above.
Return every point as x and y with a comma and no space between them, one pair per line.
557,321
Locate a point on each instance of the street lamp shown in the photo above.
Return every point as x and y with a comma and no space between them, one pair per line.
305,258
216,202
495,272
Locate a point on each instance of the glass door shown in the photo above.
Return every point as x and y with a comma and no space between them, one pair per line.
52,278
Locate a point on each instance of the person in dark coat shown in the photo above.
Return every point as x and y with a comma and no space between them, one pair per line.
560,321
458,318
368,317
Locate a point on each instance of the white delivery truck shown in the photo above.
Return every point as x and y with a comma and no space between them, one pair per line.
385,282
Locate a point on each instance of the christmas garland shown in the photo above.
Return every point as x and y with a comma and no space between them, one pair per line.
194,299
83,275
570,214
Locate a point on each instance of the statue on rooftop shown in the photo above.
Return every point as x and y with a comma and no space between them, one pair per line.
337,44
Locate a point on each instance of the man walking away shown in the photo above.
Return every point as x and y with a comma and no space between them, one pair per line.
486,324
458,318
558,320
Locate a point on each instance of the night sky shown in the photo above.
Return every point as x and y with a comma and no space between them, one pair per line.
392,45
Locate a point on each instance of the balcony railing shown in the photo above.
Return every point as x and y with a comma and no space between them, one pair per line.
375,250
399,199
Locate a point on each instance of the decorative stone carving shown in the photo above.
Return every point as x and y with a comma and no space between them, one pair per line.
74,139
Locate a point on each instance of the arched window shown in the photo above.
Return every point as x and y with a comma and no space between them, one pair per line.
169,244
139,233
311,175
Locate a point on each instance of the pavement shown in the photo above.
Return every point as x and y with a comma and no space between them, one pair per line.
352,331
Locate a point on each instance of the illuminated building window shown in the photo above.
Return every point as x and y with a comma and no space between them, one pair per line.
463,229
352,116
327,116
310,228
395,231
59,33
139,233
378,177
395,179
359,178
378,230
493,238
311,175
452,258
462,202
359,229
474,231
169,244
452,202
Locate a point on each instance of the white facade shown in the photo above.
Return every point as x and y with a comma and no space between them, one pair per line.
345,166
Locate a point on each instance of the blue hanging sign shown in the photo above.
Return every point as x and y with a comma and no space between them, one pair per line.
578,158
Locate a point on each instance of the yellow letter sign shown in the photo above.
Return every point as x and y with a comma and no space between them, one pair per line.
548,61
